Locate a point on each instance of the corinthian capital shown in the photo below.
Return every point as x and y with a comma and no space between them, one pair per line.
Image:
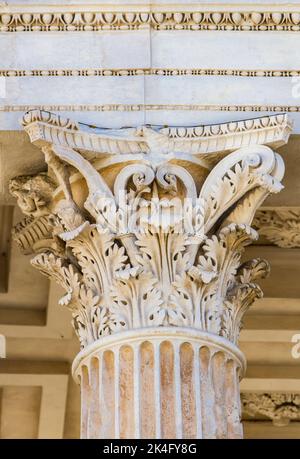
146,227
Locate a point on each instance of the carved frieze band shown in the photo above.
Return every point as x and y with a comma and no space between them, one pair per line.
280,407
280,227
86,72
159,20
151,107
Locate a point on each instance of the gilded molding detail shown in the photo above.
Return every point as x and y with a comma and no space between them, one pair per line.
280,407
231,20
154,234
281,227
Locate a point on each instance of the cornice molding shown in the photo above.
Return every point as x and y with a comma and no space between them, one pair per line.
106,72
281,408
150,107
280,226
161,17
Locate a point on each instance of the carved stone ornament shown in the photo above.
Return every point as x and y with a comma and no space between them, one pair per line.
66,18
280,407
280,227
145,228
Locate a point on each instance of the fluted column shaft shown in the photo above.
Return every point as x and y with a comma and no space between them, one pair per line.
160,383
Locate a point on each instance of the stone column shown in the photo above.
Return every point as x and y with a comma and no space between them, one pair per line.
161,382
145,229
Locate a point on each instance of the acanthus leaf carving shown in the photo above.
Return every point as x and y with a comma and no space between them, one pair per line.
158,245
